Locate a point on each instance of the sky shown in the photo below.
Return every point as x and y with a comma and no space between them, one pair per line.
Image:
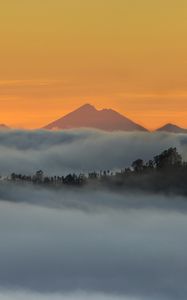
129,55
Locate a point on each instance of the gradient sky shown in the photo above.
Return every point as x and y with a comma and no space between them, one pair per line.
129,55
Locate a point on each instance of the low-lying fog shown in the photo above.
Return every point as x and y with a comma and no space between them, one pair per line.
58,153
86,244
82,244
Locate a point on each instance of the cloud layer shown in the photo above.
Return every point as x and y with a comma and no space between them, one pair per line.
88,243
77,151
138,253
22,295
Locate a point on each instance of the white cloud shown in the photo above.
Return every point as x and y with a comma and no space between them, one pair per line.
23,295
136,254
69,151
110,246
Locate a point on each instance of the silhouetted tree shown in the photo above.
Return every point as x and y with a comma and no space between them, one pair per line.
39,176
150,164
168,159
93,175
138,165
13,176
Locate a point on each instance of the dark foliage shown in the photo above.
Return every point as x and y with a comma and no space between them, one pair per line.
166,173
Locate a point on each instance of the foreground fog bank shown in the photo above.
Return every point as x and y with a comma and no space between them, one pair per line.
80,151
110,254
22,295
88,243
90,199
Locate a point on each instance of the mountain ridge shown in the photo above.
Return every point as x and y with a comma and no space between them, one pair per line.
87,116
107,119
172,128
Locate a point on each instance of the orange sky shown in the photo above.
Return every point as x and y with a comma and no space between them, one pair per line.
129,55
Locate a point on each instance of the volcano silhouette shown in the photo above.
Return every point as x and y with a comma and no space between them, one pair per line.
172,128
87,116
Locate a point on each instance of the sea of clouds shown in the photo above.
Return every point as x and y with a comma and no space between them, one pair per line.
80,150
95,244
22,295
72,253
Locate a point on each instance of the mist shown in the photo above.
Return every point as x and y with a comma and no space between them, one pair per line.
88,243
90,199
22,295
81,150
108,252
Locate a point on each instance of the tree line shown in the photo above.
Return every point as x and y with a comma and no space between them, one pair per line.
166,171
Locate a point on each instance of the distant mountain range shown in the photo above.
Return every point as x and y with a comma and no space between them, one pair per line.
172,128
87,116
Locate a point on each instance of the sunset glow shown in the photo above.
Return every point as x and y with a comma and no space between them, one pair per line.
56,55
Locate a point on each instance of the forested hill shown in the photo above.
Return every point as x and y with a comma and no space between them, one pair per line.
165,173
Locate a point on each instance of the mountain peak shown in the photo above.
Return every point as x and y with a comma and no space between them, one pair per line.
172,128
170,125
87,107
87,116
